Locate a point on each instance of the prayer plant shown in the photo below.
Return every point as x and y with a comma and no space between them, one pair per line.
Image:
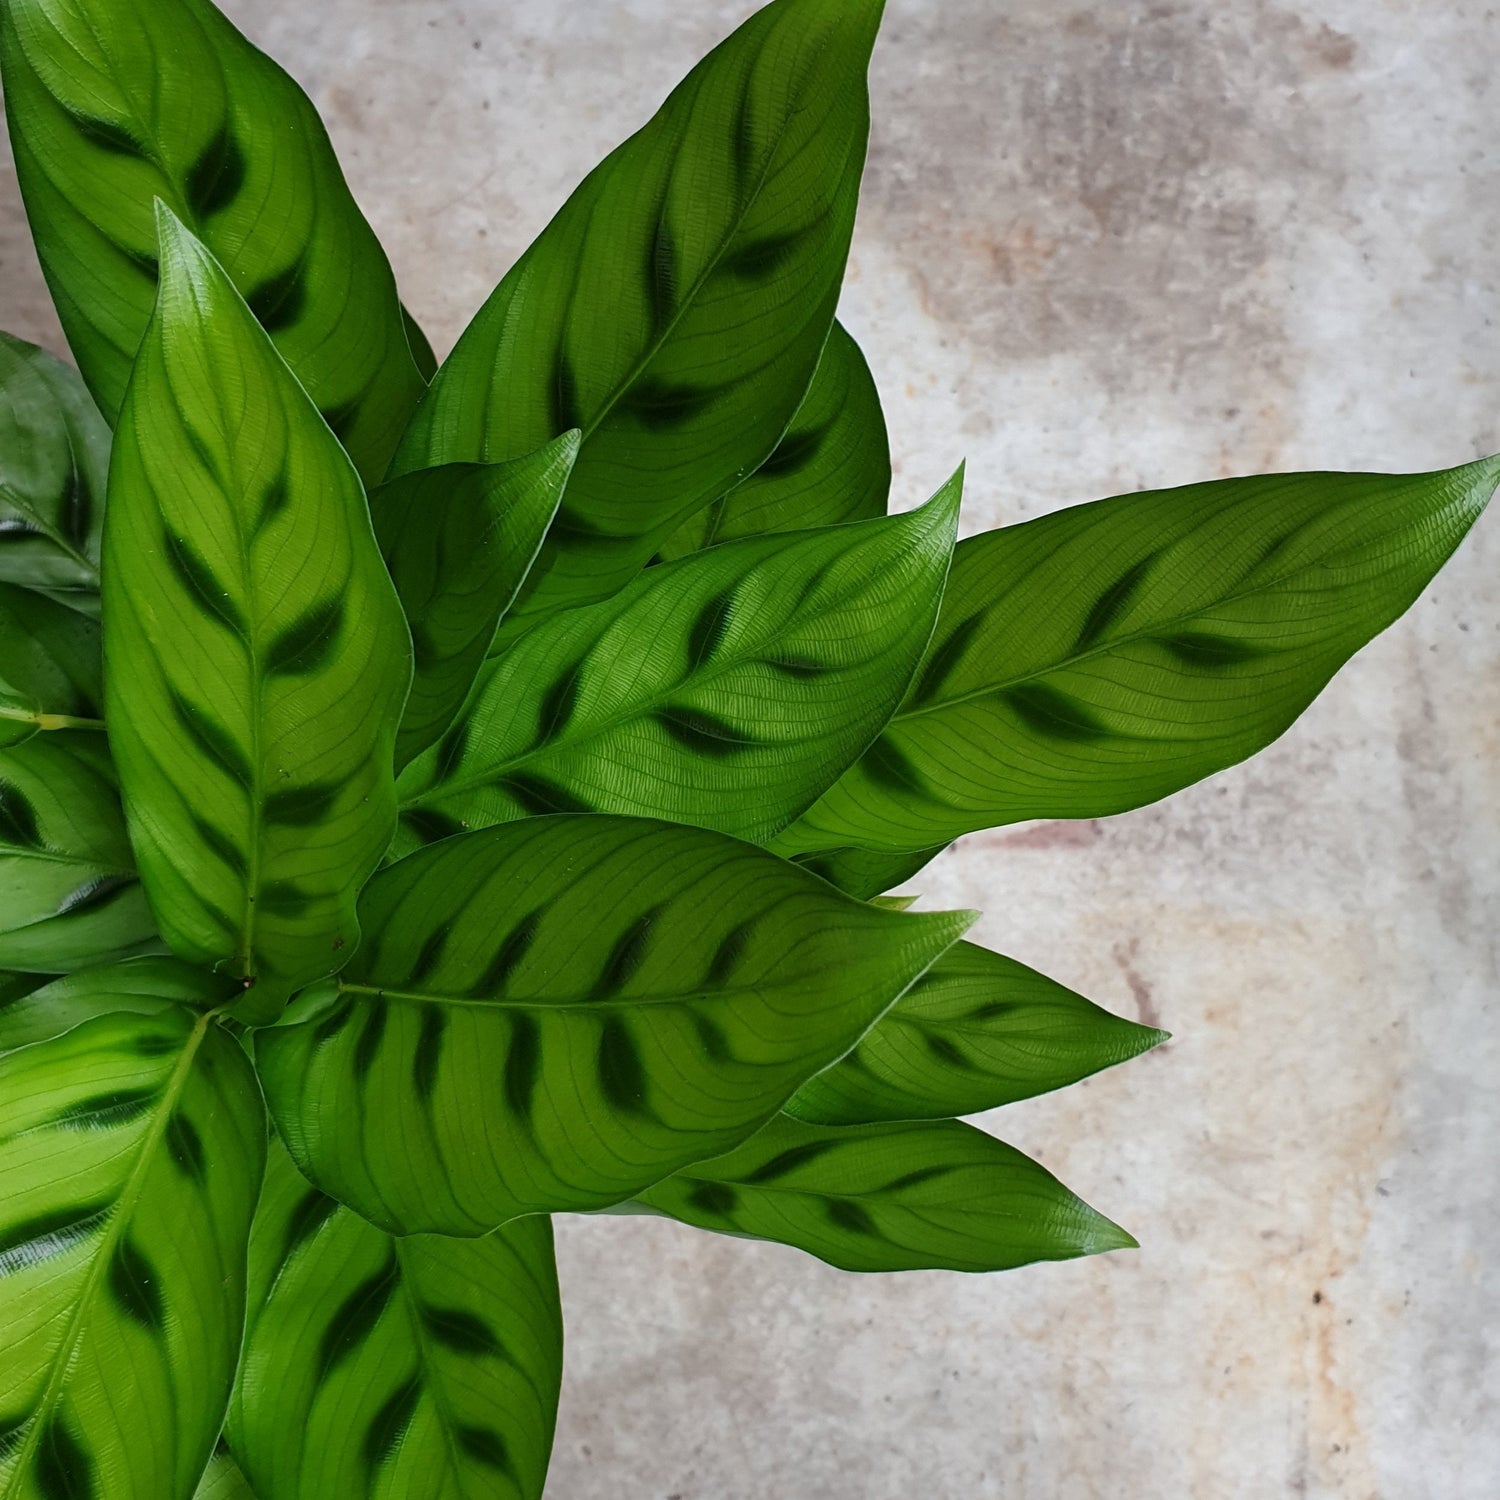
436,799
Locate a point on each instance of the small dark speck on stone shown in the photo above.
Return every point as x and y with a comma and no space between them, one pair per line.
1317,1298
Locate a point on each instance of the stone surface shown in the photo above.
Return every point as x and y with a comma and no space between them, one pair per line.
1103,246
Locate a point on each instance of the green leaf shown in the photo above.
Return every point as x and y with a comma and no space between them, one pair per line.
675,308
866,873
726,690
458,541
145,986
1103,657
54,457
51,676
112,106
131,1151
394,1368
907,1197
555,1013
257,658
977,1030
69,895
223,1479
833,465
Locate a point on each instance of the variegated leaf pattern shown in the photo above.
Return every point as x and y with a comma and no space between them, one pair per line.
223,1479
1105,656
257,657
113,106
676,307
976,1031
935,1195
458,541
393,1368
727,689
833,464
555,1013
51,676
69,895
54,460
147,985
131,1150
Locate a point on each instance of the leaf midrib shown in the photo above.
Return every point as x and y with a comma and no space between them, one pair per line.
504,1002
120,1215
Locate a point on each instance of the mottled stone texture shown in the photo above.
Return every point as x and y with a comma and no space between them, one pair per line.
1104,245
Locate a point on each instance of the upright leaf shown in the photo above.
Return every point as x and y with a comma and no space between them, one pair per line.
675,308
939,1195
726,690
51,676
976,1031
458,541
54,456
112,106
555,1013
1100,658
257,659
69,895
131,1151
394,1368
833,465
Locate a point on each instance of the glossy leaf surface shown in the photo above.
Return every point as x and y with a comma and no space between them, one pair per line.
69,895
131,1150
555,1013
224,1479
391,1367
54,460
458,541
977,1030
833,465
145,986
726,690
676,307
939,1195
1100,658
112,106
257,658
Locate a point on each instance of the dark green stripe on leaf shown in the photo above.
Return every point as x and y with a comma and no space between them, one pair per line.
538,796
788,1161
557,705
279,300
37,1239
626,957
661,275
728,954
305,645
703,733
622,1076
429,1053
486,1446
211,738
76,507
388,1425
106,135
716,1198
1052,713
18,822
461,1331
356,1317
940,665
1113,602
94,895
300,806
516,944
215,179
848,1215
224,849
1210,651
63,1468
313,1211
564,391
185,1146
368,1046
200,582
890,768
523,1065
429,825
106,1111
708,631
663,404
795,451
132,1283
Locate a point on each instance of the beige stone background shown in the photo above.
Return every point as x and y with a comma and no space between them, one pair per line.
1103,246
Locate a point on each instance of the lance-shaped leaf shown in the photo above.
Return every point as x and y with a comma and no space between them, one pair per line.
933,1195
1100,658
555,1013
458,541
131,1150
223,1479
145,985
977,1030
833,465
111,106
675,308
257,658
50,672
392,1368
54,458
726,690
69,896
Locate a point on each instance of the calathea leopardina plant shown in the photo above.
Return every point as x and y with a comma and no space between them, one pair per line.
432,800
